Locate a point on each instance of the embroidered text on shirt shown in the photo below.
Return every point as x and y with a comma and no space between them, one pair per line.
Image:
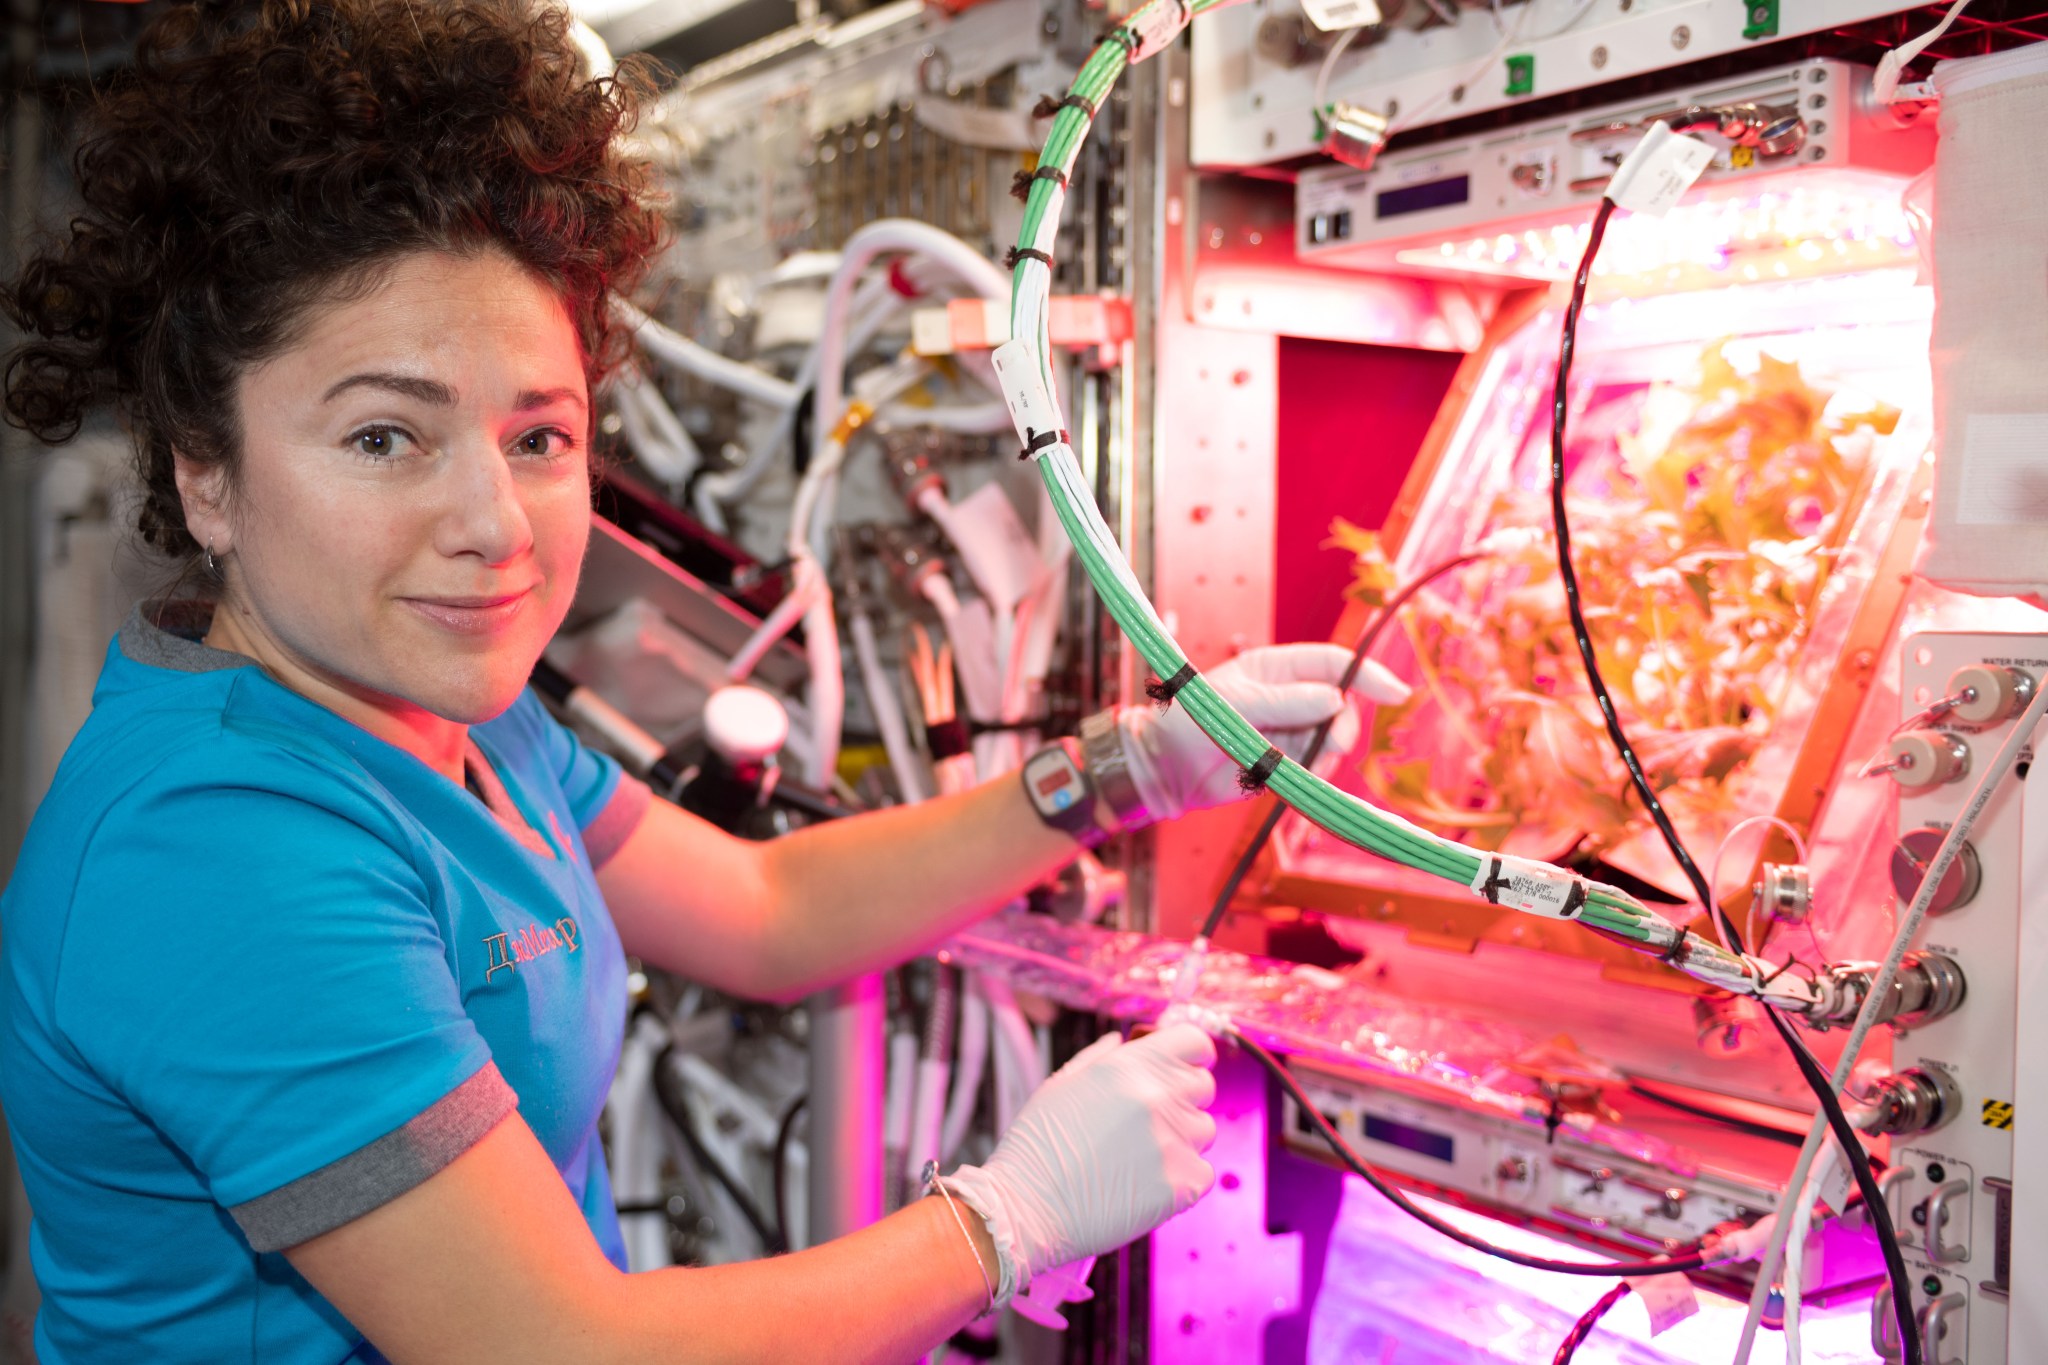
507,952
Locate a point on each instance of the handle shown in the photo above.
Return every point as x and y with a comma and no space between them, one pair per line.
1934,1320
1884,1330
1937,1206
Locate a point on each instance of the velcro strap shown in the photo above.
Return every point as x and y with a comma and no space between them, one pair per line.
1255,777
1048,107
948,739
1026,253
1020,183
1164,691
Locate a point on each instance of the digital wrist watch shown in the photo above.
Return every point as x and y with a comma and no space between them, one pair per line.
1061,793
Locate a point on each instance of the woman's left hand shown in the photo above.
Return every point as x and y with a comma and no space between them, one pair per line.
1284,690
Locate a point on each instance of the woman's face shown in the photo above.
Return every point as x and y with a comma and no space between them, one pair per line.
413,501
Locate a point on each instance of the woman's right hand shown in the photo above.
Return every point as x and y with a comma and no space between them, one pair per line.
1106,1150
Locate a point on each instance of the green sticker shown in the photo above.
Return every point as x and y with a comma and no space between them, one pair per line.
1762,20
1522,71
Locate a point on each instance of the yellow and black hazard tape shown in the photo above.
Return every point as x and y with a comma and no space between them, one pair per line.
1998,1114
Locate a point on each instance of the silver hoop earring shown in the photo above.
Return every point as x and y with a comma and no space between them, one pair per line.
211,566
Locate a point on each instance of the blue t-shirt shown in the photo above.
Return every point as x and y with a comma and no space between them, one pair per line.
264,972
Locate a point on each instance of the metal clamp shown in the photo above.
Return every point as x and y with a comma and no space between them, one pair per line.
1937,1206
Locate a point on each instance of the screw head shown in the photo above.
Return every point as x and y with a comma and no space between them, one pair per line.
1681,36
1599,57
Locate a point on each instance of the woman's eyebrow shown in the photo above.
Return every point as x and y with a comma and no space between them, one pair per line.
530,399
425,390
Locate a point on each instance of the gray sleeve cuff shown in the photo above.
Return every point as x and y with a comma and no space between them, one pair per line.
607,834
373,1176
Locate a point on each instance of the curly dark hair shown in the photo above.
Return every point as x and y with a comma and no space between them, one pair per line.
265,156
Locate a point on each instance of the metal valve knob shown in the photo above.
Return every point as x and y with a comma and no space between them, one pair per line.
1927,758
1916,852
1987,694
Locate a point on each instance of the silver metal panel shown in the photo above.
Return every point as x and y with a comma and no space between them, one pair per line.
1976,1044
1250,109
1213,407
1542,173
618,568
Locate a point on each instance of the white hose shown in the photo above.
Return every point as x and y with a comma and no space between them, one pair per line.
825,692
777,624
971,1051
707,364
1015,1051
887,235
1795,1248
903,759
658,439
872,308
1880,991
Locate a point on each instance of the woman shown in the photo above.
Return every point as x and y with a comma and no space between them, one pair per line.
315,952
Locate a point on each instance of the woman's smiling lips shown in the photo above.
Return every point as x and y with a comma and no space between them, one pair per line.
471,615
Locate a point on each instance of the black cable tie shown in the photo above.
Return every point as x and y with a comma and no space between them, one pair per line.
1164,692
1035,441
1026,253
1574,901
1121,34
1255,777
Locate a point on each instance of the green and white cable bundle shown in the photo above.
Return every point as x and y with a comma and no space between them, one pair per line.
1026,378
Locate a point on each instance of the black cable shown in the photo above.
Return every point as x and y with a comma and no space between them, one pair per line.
668,1089
1701,1111
784,1131
1359,653
1588,1320
1816,1078
1351,1159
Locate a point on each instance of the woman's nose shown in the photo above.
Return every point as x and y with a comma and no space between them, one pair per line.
485,510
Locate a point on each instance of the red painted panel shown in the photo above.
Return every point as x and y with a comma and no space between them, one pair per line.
1351,421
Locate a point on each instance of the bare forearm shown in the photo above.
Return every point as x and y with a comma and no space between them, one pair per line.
872,890
454,1273
888,1293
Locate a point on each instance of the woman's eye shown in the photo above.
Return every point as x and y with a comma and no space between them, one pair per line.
546,443
380,443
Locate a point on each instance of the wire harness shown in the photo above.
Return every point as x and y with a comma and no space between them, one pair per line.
1025,376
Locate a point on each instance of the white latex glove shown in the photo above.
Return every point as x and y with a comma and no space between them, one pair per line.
1284,690
1106,1150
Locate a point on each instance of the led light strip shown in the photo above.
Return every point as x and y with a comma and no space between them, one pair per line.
1027,383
